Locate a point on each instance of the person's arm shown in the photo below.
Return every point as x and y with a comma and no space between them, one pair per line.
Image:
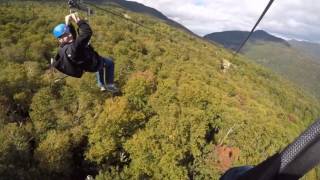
73,31
84,34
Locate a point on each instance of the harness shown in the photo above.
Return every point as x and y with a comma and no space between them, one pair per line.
65,64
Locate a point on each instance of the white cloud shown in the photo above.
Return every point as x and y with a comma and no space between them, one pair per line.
288,18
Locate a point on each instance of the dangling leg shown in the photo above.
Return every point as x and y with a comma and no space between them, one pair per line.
108,71
100,79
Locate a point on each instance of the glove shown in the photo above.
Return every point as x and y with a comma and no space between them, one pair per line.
73,16
67,19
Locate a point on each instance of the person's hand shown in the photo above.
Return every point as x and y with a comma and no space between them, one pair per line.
75,17
67,19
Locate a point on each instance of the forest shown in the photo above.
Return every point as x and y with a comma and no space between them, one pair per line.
179,116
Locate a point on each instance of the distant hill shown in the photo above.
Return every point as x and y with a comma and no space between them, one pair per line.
291,63
294,60
233,39
309,48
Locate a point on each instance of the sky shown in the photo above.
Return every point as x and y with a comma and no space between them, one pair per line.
289,19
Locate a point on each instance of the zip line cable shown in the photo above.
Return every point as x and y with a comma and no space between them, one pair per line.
121,16
113,13
140,24
75,4
254,27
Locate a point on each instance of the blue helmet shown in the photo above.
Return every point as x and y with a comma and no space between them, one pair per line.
60,29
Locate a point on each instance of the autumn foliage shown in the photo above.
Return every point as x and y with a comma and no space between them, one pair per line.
177,106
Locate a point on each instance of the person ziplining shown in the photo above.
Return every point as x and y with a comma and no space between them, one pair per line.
76,56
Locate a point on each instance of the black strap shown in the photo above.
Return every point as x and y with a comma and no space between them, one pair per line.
303,154
293,162
267,170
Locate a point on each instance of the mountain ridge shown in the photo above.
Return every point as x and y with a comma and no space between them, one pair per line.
310,48
233,39
294,60
141,8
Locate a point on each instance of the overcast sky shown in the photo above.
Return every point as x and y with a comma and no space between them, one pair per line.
298,19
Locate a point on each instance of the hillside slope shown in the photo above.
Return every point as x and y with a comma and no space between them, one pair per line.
289,62
171,121
288,59
309,48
